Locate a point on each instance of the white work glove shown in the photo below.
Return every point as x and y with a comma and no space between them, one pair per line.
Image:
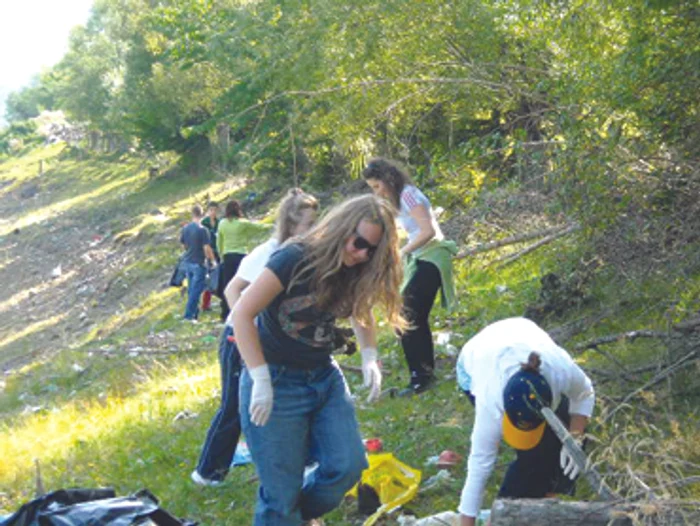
261,395
568,464
371,374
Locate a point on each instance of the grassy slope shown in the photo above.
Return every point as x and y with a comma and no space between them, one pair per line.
125,400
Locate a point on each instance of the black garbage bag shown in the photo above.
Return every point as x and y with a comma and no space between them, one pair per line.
179,274
93,507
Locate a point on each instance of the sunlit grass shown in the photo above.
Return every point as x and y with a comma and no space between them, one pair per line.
157,305
19,170
74,423
54,209
31,329
22,295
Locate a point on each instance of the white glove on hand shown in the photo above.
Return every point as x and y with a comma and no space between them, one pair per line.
568,464
261,395
371,374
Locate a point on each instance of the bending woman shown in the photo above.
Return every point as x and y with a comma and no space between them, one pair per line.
297,213
428,266
294,398
509,370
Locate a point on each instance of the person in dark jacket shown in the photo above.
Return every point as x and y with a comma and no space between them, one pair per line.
195,238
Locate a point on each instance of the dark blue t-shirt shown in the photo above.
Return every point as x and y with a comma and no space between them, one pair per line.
194,236
293,331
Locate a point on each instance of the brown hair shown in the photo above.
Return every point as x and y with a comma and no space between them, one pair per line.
533,363
290,212
353,291
197,211
233,209
391,174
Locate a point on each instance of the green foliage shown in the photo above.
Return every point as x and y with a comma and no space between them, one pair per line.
569,96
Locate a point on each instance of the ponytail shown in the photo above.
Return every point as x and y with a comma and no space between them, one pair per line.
533,363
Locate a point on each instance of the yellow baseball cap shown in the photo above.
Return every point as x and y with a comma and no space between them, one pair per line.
523,396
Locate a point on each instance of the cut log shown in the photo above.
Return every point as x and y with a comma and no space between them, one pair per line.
553,512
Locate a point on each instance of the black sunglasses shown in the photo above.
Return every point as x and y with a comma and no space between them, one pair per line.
360,243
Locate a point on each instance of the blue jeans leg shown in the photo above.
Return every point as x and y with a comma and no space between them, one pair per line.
196,276
337,445
225,429
311,408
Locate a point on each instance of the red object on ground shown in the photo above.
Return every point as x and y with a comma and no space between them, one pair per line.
206,300
448,459
374,445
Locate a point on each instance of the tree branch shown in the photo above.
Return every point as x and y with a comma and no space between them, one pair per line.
511,240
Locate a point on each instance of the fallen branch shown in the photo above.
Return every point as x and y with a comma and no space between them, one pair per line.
688,358
507,260
613,338
511,240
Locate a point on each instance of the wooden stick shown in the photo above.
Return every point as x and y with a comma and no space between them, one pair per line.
511,240
578,455
629,335
507,260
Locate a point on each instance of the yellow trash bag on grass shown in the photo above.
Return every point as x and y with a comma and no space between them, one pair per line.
395,483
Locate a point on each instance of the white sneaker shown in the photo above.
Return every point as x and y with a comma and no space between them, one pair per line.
201,481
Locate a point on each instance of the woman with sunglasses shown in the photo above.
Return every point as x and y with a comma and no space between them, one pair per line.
294,399
427,266
509,370
296,215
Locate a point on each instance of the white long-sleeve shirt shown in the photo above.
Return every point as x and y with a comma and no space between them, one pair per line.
489,359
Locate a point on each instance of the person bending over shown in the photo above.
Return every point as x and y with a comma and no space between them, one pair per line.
509,370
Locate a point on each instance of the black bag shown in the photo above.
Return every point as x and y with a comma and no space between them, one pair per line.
179,274
88,507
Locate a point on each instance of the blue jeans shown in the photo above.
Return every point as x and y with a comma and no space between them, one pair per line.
312,413
225,429
196,277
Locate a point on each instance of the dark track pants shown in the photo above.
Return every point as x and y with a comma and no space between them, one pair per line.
229,268
417,341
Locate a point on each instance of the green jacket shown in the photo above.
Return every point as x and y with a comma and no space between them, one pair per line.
440,254
236,235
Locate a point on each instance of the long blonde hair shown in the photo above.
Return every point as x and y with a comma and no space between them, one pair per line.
353,291
290,212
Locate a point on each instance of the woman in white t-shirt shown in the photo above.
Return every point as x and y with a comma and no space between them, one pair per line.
296,215
427,260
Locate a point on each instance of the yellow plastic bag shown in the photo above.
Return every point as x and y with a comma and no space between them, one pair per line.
395,483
